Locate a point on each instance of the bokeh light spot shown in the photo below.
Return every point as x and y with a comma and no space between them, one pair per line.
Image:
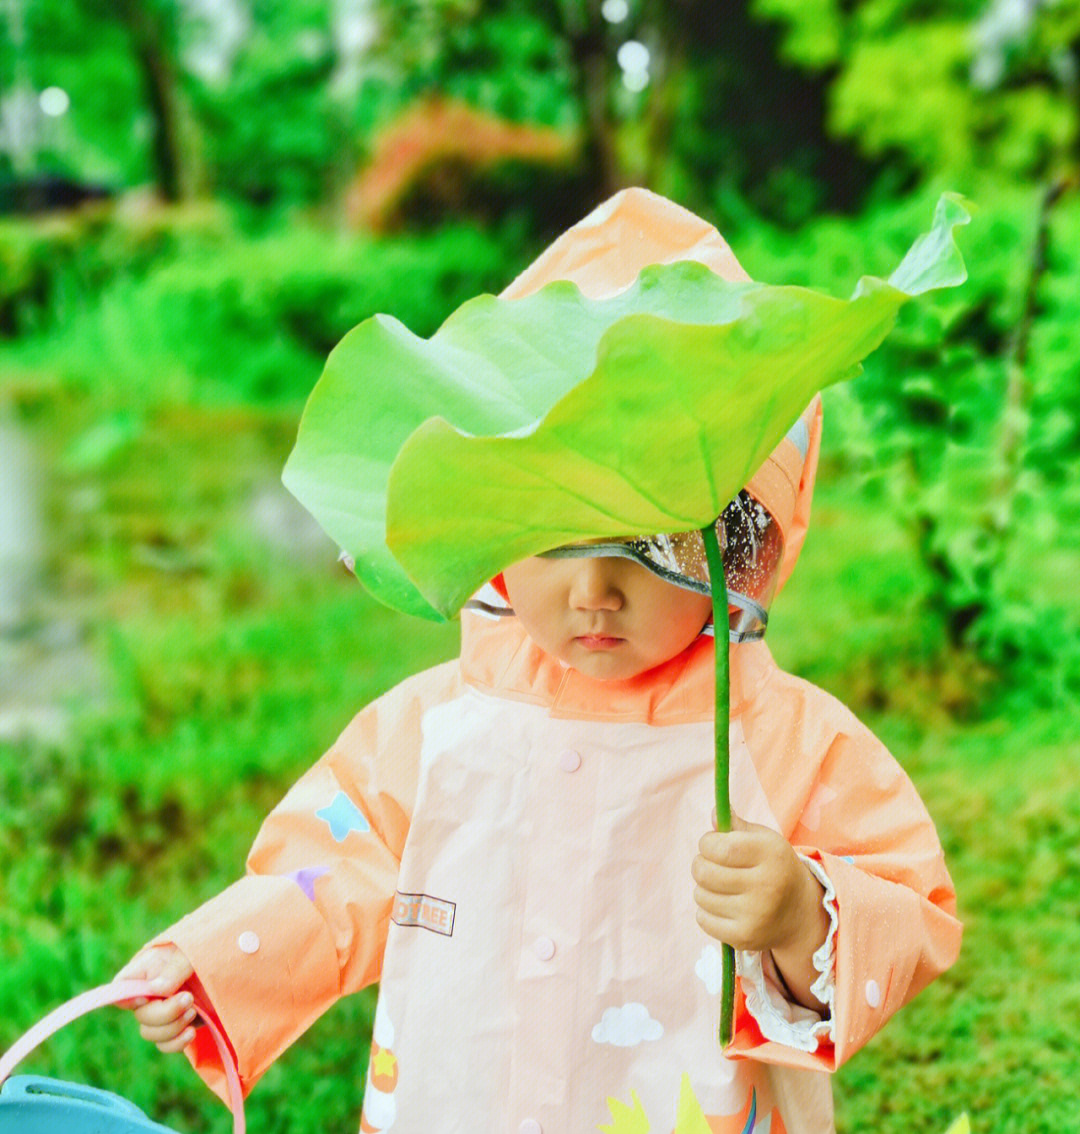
54,101
633,56
615,11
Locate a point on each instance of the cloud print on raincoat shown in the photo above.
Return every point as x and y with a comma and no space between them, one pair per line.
627,1026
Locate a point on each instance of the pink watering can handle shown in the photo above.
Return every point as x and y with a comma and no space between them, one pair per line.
113,993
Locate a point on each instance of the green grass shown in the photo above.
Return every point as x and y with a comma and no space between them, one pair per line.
230,664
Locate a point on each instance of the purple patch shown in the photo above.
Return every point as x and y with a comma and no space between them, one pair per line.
306,878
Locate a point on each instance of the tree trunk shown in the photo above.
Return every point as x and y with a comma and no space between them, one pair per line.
584,30
153,43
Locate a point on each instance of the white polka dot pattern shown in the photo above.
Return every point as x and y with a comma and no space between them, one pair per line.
248,942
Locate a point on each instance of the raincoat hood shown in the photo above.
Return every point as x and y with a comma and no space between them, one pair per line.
603,254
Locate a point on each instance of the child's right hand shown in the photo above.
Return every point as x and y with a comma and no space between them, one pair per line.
168,1022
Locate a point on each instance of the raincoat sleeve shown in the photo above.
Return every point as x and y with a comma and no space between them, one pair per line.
859,823
308,923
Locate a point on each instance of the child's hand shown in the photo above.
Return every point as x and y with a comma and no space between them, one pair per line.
169,1022
755,894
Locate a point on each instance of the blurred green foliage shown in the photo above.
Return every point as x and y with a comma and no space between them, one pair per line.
50,270
149,313
776,109
968,445
63,44
506,58
956,88
277,129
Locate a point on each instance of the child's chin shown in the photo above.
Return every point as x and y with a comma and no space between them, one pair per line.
608,667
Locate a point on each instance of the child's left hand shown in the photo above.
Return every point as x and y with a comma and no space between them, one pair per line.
754,893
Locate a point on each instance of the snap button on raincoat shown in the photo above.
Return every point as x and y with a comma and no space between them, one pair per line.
530,914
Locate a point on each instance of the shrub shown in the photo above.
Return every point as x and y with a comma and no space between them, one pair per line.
252,319
964,430
51,268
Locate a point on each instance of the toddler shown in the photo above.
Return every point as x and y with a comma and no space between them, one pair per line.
518,844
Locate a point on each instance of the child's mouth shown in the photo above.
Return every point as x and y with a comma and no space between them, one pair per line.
599,642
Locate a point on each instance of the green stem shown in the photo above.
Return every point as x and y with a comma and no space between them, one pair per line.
721,718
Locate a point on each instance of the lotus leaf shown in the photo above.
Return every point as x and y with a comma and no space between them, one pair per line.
527,423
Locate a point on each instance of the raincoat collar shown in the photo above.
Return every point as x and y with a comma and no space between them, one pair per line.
498,657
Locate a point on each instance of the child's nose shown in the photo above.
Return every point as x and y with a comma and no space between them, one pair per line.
595,585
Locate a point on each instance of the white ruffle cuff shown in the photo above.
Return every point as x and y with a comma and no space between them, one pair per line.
779,1019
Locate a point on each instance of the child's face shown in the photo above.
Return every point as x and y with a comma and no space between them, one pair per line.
606,616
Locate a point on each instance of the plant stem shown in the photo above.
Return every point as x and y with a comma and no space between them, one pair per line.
721,719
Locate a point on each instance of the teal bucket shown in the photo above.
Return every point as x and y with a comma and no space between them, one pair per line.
34,1104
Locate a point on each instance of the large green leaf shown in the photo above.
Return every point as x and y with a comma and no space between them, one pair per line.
524,424
495,365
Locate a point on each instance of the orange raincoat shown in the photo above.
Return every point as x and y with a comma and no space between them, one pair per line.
505,844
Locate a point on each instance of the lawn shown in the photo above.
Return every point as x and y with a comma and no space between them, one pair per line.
223,649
